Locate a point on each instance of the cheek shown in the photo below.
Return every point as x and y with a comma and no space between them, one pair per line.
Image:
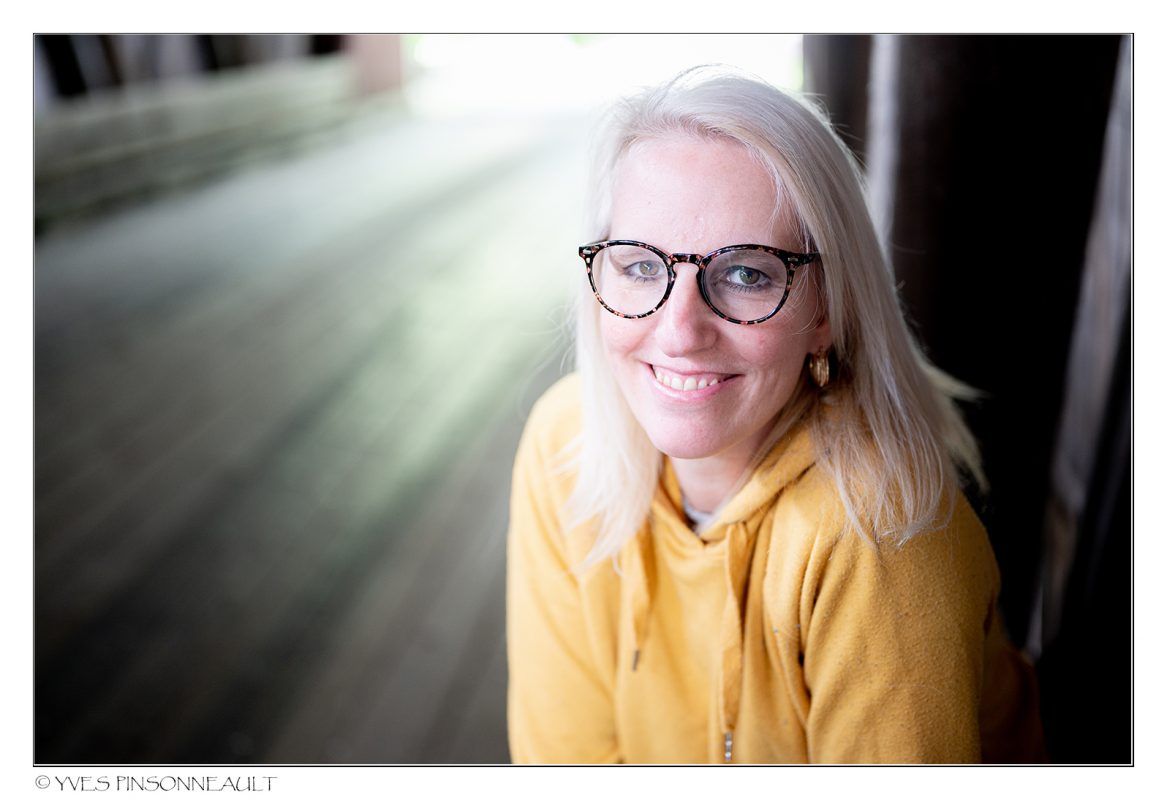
782,350
620,336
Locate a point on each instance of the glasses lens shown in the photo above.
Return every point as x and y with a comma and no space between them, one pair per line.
630,279
746,284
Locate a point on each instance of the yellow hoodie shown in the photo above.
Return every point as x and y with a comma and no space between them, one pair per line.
770,638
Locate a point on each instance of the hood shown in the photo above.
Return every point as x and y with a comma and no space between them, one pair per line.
734,528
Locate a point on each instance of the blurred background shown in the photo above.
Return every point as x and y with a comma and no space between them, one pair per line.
294,295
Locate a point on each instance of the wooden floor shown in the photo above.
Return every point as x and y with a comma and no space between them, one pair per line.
275,418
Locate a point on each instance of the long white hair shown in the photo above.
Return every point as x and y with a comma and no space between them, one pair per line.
894,443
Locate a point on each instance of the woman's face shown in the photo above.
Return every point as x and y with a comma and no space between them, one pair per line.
689,195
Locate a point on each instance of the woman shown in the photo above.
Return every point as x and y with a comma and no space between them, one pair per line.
737,533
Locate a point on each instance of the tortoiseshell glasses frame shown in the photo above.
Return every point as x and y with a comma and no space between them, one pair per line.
791,260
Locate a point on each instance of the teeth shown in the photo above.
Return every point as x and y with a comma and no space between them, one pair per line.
686,385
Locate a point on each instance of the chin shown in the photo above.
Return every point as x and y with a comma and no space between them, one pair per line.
686,444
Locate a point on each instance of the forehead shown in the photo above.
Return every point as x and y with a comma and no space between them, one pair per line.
688,194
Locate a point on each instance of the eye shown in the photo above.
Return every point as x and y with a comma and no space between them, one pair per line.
646,269
744,276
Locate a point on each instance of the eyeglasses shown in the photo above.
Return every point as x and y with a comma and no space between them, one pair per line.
742,283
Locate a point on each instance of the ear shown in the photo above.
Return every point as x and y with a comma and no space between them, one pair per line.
820,335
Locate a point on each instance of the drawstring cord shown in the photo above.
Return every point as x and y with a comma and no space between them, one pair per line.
737,564
738,558
641,597
782,466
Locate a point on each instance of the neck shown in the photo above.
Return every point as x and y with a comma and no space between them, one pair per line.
707,482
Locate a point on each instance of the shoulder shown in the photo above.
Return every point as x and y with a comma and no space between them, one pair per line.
816,556
555,418
949,561
542,528
812,517
544,470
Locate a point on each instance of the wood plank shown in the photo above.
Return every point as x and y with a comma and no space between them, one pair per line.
315,500
196,399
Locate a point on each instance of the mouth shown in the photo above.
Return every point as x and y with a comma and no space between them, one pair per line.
686,382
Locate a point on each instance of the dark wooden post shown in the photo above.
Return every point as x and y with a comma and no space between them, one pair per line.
998,143
837,69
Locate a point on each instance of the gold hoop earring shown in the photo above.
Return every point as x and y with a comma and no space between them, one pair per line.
820,368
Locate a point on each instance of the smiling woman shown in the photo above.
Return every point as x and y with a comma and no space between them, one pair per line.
773,468
699,195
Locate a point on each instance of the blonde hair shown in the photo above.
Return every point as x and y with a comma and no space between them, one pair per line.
894,443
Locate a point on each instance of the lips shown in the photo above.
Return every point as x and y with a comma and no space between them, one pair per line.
688,381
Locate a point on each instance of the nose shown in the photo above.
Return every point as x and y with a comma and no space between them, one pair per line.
686,324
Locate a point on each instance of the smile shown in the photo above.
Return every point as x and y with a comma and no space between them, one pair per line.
692,382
